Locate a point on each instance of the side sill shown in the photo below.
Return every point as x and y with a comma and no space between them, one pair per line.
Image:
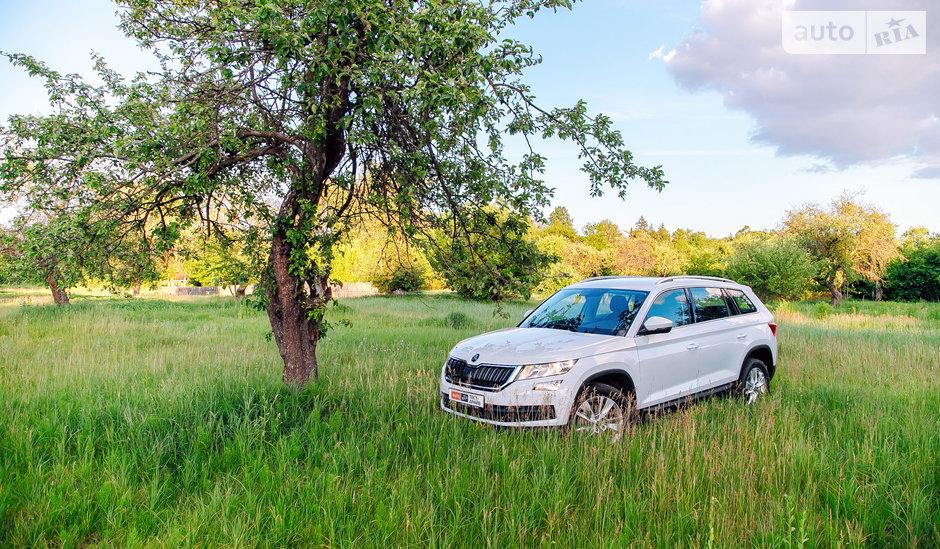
675,403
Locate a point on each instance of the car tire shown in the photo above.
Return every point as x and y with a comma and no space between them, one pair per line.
754,381
603,411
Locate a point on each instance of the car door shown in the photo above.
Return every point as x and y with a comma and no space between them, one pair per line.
717,356
749,325
667,364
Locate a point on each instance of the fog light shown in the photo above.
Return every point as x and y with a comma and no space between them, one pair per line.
547,386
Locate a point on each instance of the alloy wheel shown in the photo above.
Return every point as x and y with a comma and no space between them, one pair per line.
600,415
755,385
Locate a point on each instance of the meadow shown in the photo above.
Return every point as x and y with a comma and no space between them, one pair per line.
162,422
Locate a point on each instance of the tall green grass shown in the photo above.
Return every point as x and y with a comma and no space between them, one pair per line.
158,423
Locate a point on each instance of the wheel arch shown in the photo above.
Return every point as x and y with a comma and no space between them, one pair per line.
765,355
619,379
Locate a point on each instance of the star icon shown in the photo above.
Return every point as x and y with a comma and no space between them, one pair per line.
894,22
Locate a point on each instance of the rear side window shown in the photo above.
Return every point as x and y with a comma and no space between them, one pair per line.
744,304
709,304
672,305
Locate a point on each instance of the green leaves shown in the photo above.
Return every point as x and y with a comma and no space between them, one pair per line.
777,269
491,259
849,240
307,117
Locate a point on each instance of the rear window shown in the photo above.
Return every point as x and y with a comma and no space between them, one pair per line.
709,304
744,304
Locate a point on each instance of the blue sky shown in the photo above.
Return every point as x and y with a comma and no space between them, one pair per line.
735,153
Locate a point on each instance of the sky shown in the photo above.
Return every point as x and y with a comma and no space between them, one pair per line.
743,130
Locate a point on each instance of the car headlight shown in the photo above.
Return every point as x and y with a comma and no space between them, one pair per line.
547,369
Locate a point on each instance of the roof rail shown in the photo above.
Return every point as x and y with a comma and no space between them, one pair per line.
696,277
608,277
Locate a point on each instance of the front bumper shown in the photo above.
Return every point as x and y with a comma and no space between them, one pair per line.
515,405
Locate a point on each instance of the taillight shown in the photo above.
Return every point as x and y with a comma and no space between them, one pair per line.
773,328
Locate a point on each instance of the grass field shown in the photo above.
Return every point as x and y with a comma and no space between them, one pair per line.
160,423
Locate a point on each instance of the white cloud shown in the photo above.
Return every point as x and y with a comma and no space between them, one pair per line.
819,167
930,172
658,54
844,109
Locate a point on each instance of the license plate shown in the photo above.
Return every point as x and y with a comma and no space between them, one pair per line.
467,398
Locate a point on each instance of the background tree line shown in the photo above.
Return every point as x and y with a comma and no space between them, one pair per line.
847,247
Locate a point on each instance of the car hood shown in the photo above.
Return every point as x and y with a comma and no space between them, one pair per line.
515,346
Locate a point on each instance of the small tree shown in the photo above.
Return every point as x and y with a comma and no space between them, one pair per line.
78,216
560,223
47,252
917,274
576,261
126,258
604,235
701,255
777,269
848,241
648,254
222,262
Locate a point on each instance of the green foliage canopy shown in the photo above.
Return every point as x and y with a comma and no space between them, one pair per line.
309,115
495,261
848,241
916,275
777,269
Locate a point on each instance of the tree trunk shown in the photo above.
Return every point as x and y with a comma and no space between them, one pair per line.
879,291
296,305
295,332
239,292
136,289
836,294
59,295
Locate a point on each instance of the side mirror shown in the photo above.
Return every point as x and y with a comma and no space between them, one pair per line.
655,325
527,313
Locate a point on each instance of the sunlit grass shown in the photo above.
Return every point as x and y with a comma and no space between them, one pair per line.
162,422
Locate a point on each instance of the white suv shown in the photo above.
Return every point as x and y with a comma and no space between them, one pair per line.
595,353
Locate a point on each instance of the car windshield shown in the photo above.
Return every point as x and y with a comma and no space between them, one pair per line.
588,310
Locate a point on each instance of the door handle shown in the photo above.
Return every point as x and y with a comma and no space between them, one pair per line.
742,336
692,346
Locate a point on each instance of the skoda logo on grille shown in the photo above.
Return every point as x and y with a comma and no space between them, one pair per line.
475,357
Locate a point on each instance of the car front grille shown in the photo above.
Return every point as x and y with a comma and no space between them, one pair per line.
508,414
488,377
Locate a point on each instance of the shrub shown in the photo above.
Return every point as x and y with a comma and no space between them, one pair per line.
457,320
404,278
577,261
822,310
775,270
916,277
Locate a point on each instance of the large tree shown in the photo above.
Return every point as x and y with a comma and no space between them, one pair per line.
847,240
336,109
